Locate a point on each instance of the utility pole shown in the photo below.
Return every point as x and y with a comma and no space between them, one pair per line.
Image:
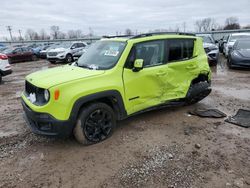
20,34
10,29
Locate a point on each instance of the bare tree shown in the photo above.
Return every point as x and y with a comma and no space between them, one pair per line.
43,35
246,27
232,23
74,34
206,24
128,32
30,34
55,31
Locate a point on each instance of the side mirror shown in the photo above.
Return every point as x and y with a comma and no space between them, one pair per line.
216,41
138,65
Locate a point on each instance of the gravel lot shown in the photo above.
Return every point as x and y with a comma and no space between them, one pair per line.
164,148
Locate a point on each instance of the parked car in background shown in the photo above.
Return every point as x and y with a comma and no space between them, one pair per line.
3,48
43,52
231,40
19,54
221,42
239,55
211,48
78,54
64,52
5,68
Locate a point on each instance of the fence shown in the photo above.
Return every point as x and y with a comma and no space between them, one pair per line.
87,40
216,34
219,34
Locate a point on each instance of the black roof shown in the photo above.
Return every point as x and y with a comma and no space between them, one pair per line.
150,34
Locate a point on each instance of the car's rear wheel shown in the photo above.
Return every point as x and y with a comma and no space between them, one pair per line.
95,123
69,58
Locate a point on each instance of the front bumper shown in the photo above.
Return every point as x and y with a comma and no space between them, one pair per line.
6,72
59,57
213,57
45,124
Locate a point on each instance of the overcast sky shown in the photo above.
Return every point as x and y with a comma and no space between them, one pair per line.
109,16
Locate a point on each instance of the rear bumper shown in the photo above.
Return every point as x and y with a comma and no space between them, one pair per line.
6,72
45,124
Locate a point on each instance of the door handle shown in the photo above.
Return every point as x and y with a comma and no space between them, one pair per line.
160,73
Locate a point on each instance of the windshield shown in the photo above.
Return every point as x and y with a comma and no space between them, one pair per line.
7,51
243,45
207,39
102,55
236,37
64,45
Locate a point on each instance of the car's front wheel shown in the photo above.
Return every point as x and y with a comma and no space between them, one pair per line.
69,58
95,123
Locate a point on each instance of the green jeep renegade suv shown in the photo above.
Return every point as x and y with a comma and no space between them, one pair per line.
114,79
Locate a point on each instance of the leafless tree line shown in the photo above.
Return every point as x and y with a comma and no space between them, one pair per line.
210,24
55,33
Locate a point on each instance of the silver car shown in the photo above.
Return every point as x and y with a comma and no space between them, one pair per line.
211,48
64,52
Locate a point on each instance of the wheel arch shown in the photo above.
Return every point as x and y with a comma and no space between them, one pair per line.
112,98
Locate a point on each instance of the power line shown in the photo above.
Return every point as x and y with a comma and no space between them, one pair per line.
10,29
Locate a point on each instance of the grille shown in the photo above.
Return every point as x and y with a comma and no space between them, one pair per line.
52,53
207,50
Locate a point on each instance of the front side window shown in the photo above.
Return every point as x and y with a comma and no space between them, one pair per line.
151,52
179,49
102,55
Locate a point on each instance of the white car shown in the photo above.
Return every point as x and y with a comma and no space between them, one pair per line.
64,52
5,67
231,40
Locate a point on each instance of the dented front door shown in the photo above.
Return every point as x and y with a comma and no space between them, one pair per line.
143,89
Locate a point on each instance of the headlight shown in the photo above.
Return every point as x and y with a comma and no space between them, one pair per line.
61,52
46,95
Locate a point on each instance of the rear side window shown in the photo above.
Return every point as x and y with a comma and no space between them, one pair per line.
179,49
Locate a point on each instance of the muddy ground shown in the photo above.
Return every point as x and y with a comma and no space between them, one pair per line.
164,148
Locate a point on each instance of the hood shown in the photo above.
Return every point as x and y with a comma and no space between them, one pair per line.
57,50
209,45
59,75
244,53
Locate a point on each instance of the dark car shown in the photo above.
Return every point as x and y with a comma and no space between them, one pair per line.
239,54
19,54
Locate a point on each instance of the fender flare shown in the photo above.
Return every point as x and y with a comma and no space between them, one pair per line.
113,95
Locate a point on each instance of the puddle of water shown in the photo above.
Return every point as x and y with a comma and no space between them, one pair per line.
232,92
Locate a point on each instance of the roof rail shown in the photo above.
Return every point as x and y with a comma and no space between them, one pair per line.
116,36
161,33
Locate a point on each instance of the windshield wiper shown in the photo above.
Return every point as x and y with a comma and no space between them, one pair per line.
83,66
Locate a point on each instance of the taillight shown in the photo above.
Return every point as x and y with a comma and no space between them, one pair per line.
3,57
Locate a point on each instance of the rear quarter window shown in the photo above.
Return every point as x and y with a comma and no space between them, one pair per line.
179,49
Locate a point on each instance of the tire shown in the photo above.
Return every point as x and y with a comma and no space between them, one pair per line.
95,123
197,92
52,62
69,58
34,58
